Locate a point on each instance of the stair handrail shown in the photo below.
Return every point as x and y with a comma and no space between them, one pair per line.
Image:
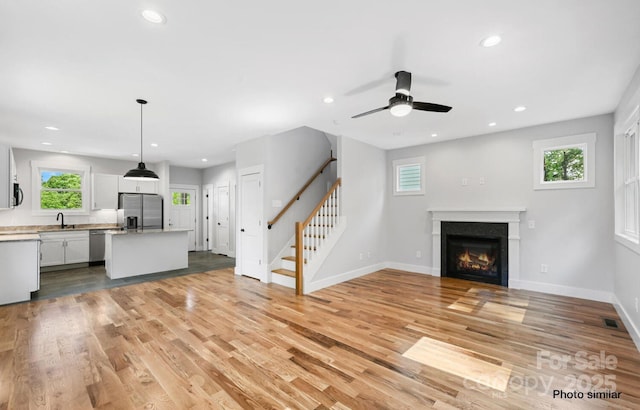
300,227
300,192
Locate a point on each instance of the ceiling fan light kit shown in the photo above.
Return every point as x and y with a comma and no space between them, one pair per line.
402,103
140,173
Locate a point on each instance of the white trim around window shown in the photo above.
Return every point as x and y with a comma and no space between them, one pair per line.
584,142
37,167
408,176
627,181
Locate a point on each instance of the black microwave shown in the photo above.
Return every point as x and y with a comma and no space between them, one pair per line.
18,195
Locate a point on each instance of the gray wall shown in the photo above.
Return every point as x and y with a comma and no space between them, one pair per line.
627,261
363,171
185,176
574,227
294,156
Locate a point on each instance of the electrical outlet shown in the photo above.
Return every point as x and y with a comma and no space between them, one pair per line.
361,256
531,223
418,254
482,181
544,268
368,254
464,181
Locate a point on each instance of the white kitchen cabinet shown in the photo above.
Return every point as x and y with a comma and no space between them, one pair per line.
104,191
137,187
51,251
61,248
7,176
20,273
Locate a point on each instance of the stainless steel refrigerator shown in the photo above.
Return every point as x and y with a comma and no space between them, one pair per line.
140,211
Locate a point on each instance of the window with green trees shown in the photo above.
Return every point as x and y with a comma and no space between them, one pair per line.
60,190
57,186
565,164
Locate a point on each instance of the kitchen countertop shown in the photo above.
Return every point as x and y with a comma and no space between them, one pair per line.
142,232
20,237
32,229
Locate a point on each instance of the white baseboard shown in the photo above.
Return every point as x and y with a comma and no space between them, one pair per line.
426,270
633,330
343,277
582,293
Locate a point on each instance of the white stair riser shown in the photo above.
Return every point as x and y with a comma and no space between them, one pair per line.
283,280
289,265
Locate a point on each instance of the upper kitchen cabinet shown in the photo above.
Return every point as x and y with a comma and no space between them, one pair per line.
104,191
8,178
137,187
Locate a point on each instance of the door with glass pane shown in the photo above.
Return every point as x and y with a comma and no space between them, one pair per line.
183,213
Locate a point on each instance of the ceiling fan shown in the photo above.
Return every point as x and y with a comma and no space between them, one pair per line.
402,103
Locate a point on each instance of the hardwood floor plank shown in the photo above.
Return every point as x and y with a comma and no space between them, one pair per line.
217,340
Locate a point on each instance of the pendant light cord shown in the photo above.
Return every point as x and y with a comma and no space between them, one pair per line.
141,160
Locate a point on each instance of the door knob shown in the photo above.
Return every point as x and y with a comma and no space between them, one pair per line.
242,230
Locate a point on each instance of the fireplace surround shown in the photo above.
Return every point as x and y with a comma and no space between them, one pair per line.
508,216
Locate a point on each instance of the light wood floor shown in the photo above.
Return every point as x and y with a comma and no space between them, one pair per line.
391,340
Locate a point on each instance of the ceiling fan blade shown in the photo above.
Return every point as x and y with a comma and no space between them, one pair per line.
403,82
424,106
369,86
370,112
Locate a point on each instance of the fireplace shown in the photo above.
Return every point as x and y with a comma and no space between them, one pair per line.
475,251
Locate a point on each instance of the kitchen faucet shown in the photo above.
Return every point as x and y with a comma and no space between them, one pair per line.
60,214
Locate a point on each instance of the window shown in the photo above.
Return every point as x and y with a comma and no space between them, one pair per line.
409,176
181,198
59,189
627,180
566,162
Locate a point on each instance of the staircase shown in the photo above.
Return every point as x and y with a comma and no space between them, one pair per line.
314,239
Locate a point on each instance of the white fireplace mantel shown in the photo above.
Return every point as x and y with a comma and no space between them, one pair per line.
510,216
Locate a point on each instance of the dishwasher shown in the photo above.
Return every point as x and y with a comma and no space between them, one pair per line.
96,247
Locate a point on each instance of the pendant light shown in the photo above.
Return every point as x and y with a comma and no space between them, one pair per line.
141,173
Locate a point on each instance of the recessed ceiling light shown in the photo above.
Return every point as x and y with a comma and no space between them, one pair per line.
492,124
520,108
328,100
135,155
204,160
153,16
51,128
434,135
491,41
47,143
154,145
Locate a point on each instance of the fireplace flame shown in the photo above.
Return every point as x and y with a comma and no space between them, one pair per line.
475,261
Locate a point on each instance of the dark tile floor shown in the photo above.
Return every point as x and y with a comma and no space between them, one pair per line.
80,280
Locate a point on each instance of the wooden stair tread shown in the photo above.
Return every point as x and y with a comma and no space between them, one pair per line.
285,272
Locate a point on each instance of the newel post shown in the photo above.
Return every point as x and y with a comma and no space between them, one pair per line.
299,256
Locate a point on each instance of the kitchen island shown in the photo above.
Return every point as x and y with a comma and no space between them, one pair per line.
132,253
19,267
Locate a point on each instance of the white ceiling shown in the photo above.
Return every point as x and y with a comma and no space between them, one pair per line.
218,73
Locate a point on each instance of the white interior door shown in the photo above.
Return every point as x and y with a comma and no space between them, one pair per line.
207,216
251,225
183,213
222,219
